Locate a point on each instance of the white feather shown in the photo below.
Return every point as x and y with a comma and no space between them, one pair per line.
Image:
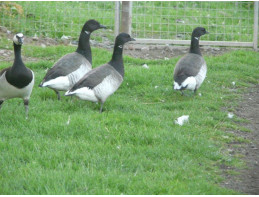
145,66
181,120
230,115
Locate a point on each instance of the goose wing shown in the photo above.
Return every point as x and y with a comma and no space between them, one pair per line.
188,65
66,65
94,77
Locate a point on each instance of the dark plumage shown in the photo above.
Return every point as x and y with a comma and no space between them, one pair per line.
71,67
16,81
190,71
101,82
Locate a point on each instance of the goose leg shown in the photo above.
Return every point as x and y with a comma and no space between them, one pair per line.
57,92
195,91
26,105
182,93
1,102
101,109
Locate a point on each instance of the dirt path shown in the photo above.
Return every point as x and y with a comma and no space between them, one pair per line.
247,182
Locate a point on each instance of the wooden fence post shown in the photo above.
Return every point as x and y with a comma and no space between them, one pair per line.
117,19
126,16
255,41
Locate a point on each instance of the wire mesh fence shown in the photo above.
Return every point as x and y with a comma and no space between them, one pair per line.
55,19
175,20
226,21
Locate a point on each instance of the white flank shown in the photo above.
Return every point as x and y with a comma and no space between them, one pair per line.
181,120
60,83
108,86
75,76
100,92
84,94
64,83
190,82
8,91
201,75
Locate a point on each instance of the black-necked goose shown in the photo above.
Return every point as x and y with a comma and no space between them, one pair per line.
101,82
17,81
73,66
190,71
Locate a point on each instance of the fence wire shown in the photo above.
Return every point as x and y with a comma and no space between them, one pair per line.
55,19
226,21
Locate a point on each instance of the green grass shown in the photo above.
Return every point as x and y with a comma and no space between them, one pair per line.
134,146
226,21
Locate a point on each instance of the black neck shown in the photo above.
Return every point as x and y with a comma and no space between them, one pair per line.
117,60
195,48
84,46
17,55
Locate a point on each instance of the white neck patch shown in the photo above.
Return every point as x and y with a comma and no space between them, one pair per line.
120,46
197,38
87,32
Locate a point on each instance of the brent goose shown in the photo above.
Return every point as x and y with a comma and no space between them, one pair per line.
190,71
17,81
101,82
73,66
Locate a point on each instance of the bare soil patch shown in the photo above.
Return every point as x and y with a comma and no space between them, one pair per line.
247,181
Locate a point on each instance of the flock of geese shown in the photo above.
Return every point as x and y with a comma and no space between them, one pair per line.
73,72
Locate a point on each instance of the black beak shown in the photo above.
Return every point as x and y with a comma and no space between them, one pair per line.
207,32
132,39
103,27
20,40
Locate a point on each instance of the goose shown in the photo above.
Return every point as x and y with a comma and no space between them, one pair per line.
72,67
101,82
190,71
17,81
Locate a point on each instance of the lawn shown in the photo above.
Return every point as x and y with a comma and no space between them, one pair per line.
134,146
